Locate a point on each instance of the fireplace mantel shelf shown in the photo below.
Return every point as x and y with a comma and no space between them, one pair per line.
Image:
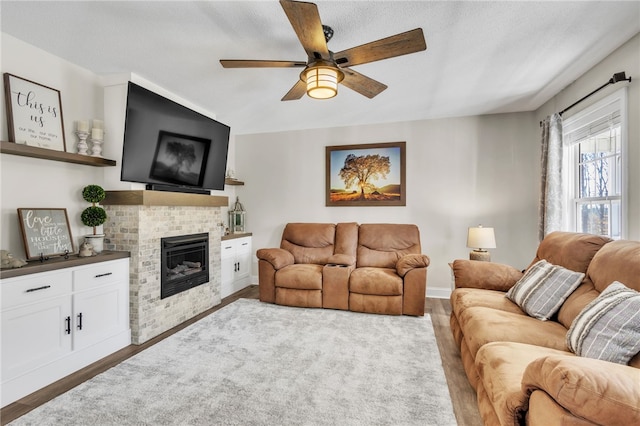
163,198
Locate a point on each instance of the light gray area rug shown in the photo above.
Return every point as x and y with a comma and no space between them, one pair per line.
252,363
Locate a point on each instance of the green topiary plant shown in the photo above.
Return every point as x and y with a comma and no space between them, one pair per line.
95,215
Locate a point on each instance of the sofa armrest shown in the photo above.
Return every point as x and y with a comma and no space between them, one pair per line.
486,275
411,261
277,257
342,259
599,391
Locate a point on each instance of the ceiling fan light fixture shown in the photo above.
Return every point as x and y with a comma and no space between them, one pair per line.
322,81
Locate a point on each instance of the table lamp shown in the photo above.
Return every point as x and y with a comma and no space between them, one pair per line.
480,239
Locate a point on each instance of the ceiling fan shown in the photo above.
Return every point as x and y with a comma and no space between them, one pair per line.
324,69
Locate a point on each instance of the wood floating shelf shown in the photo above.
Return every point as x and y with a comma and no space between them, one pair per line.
229,181
50,154
162,198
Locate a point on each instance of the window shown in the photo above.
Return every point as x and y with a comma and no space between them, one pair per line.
594,168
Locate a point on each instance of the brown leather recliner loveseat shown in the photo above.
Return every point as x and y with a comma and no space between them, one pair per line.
374,268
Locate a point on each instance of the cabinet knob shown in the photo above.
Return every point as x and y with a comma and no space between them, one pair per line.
67,328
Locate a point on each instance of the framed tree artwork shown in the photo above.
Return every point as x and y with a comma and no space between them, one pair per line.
366,175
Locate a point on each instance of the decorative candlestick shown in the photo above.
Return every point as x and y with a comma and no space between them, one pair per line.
96,147
82,142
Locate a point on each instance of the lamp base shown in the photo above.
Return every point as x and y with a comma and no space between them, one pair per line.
483,255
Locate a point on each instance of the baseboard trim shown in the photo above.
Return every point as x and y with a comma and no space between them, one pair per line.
438,293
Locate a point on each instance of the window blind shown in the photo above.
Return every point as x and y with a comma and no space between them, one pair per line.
591,123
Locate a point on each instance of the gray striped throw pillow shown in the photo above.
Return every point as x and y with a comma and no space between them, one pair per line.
608,328
543,289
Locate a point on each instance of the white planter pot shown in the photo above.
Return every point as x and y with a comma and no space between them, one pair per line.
97,241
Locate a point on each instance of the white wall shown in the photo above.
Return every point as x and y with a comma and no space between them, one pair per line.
31,182
627,59
460,172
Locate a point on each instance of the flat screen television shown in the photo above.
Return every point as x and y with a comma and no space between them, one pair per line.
170,147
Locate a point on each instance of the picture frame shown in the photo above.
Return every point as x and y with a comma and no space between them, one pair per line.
45,232
34,113
385,185
180,159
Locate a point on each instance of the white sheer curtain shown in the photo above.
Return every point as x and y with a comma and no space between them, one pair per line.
550,209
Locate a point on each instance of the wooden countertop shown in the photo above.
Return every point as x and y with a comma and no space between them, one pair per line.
59,262
234,236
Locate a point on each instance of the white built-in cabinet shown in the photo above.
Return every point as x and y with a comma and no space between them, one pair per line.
56,322
235,257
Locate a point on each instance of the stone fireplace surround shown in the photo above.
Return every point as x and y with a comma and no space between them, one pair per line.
136,220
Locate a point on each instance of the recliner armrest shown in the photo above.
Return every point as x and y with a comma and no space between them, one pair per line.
599,391
342,259
411,261
486,275
277,257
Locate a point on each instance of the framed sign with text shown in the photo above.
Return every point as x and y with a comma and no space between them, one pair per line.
34,113
45,232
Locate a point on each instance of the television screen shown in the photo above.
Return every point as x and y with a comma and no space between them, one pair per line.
169,146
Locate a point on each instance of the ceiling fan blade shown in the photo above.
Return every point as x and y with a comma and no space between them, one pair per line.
297,91
397,45
241,63
305,20
362,84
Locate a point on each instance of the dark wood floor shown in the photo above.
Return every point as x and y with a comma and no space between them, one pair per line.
462,395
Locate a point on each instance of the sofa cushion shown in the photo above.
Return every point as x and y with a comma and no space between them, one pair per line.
576,302
617,261
544,288
382,244
570,250
609,327
306,276
463,298
600,392
378,281
309,242
486,325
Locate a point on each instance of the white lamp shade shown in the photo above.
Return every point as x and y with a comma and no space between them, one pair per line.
481,238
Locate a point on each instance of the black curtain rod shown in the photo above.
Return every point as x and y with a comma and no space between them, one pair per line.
617,77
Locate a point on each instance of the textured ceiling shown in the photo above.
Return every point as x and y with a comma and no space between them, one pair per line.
481,57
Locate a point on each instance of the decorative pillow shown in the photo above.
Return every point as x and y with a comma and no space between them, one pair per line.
608,328
543,289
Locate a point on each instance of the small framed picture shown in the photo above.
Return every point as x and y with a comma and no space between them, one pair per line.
45,232
34,113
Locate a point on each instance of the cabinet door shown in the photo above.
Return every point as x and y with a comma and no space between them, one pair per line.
227,266
35,334
243,262
99,314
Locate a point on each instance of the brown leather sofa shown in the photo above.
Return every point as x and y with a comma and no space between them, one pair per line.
521,367
374,268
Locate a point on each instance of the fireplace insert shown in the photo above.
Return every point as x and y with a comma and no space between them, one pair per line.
184,263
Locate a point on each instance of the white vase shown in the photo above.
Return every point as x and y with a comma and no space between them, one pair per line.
97,241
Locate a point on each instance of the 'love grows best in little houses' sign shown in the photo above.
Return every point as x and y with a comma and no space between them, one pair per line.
45,232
